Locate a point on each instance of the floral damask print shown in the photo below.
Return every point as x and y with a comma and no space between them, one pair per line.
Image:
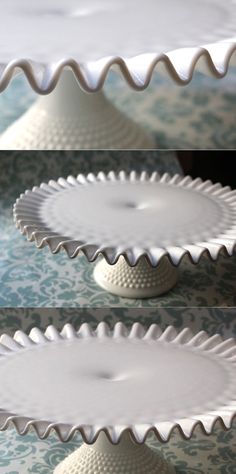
200,455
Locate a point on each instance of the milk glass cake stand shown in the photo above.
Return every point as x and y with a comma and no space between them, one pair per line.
143,225
44,39
115,387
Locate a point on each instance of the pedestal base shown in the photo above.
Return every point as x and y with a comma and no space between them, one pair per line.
104,457
70,118
141,281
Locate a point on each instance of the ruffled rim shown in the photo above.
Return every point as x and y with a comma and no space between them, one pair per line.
180,64
26,207
225,349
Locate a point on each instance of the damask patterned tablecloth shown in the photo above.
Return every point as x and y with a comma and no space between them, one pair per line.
32,277
201,115
215,454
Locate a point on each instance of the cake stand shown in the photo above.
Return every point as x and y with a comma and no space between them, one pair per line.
143,225
46,39
115,387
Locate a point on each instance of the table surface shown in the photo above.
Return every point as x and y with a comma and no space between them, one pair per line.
32,277
215,454
200,115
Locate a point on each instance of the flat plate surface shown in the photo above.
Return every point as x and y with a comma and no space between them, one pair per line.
215,454
135,214
84,30
132,215
113,381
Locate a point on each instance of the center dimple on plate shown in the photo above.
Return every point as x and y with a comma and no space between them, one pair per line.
132,205
109,376
113,381
152,214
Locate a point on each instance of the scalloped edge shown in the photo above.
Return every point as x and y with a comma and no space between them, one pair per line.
35,230
185,427
137,71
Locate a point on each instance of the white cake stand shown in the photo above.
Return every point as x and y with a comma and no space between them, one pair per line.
115,387
142,225
90,37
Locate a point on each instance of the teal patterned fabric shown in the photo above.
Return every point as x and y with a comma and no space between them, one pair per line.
211,320
215,454
199,115
202,455
32,277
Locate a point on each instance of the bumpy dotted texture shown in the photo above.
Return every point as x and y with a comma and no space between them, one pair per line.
141,460
194,237
141,281
101,127
225,351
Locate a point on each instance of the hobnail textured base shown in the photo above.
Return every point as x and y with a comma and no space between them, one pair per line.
141,281
69,118
124,458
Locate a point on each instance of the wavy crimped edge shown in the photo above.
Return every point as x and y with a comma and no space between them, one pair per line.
35,230
185,427
180,64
